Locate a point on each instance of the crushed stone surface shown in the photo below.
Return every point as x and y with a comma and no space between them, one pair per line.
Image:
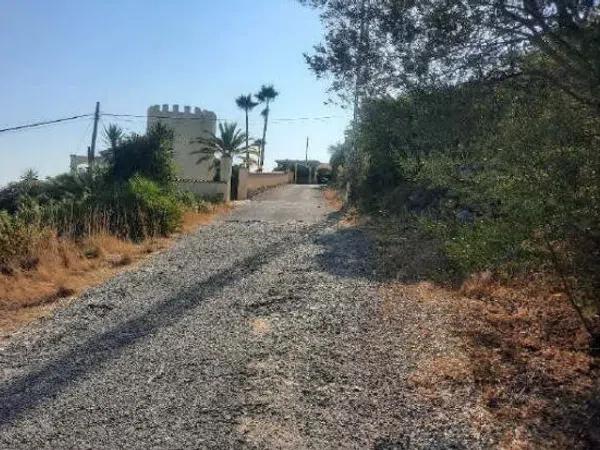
262,330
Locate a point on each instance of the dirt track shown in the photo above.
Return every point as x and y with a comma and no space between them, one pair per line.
263,330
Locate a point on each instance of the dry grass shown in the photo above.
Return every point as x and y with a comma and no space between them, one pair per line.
64,268
531,360
193,220
520,348
333,198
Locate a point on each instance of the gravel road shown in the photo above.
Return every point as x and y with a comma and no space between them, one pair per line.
262,330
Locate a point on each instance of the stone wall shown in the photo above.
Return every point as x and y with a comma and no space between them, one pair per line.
251,182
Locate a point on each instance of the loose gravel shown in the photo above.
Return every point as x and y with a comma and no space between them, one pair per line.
262,330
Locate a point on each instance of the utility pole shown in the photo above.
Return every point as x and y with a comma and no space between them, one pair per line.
306,162
92,150
306,155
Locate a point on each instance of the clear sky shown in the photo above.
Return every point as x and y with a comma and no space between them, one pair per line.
58,57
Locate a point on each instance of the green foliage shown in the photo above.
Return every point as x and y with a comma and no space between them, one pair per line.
482,117
187,199
113,136
381,46
230,143
18,241
158,212
246,102
503,246
133,198
505,175
135,210
149,155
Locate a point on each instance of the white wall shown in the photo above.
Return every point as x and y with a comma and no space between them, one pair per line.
187,125
251,182
208,189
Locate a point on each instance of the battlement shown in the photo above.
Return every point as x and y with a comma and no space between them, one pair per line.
165,111
188,124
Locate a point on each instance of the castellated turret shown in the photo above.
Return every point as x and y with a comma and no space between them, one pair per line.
187,126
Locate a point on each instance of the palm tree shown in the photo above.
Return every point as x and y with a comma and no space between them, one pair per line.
113,135
266,95
29,180
30,176
229,144
246,103
258,143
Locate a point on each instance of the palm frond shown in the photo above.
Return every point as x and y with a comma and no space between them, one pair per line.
229,143
267,93
113,135
205,157
245,102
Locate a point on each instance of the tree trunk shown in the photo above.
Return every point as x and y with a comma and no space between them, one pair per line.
264,139
247,148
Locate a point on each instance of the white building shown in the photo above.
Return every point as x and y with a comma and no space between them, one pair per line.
187,125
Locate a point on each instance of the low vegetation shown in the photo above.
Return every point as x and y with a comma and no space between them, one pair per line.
476,151
67,232
486,205
498,157
505,177
514,349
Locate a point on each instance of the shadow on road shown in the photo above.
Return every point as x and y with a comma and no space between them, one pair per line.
347,252
384,251
34,388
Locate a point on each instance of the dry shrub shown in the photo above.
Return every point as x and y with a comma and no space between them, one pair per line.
531,359
522,347
64,267
333,198
192,220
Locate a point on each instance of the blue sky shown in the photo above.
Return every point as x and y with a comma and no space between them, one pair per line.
59,57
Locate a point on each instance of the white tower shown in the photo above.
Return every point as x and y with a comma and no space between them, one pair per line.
187,126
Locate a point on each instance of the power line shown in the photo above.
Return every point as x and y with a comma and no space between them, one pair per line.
275,119
48,122
138,116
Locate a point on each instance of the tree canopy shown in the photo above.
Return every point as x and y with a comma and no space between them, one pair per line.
389,45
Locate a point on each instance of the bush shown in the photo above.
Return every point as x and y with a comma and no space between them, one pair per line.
507,175
192,202
136,209
157,212
487,244
132,198
150,156
18,242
